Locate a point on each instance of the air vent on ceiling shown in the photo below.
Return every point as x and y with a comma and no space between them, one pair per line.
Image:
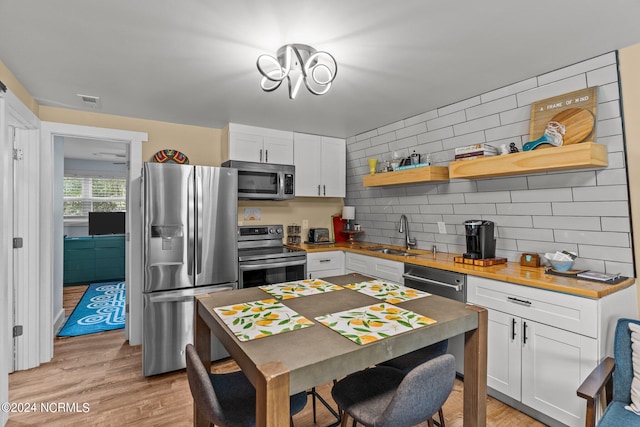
90,100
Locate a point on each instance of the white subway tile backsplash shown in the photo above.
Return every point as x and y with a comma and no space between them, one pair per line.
547,195
488,197
476,125
367,135
377,150
619,267
436,135
523,209
461,141
457,187
467,103
552,89
610,92
516,115
412,130
614,143
519,233
509,90
383,138
602,76
562,180
601,193
391,127
591,208
437,209
593,238
429,115
498,184
584,211
579,68
447,120
523,221
507,131
608,110
475,209
402,145
612,177
606,253
492,107
621,225
608,127
568,222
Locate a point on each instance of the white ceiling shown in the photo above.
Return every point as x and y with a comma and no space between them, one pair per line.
193,61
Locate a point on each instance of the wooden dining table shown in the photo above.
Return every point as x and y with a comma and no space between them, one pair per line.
287,363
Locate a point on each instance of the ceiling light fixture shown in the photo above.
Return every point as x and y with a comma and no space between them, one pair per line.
298,63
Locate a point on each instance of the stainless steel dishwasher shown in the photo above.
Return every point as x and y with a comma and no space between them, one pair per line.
444,283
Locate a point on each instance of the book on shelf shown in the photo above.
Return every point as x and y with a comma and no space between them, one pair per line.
419,165
476,148
596,275
477,155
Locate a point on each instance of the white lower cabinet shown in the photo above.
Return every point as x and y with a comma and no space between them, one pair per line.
325,264
542,344
378,268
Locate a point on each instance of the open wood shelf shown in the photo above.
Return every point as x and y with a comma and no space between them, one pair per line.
407,176
566,157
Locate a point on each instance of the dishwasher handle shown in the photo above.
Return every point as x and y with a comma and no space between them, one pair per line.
457,288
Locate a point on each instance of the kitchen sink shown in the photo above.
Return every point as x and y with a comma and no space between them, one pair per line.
391,251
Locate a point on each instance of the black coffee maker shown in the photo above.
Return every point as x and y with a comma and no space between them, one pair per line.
480,241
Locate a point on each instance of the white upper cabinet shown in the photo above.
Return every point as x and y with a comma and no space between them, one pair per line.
255,144
321,164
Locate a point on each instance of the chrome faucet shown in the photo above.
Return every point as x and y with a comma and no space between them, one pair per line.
404,228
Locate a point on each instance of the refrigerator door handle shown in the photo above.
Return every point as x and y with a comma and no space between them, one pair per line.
190,223
199,220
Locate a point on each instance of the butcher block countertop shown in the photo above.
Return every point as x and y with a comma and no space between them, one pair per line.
511,272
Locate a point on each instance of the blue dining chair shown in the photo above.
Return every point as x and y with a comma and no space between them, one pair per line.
227,400
385,397
614,376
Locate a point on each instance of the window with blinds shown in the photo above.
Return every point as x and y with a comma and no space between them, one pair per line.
85,194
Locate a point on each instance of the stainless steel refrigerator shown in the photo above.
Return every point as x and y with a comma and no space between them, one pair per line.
190,248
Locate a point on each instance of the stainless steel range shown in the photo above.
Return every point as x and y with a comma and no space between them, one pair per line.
263,259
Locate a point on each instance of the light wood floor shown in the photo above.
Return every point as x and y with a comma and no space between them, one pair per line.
104,372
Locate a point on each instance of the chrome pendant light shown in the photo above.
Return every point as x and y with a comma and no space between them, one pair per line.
297,63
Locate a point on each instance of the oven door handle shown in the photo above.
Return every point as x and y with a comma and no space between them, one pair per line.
457,288
265,265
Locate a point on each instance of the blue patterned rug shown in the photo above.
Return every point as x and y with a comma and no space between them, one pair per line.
102,308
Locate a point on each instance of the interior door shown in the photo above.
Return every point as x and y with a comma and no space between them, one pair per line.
26,282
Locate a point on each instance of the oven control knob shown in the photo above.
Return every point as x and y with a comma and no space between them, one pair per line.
278,230
271,231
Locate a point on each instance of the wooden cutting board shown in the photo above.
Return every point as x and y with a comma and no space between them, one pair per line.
578,124
480,262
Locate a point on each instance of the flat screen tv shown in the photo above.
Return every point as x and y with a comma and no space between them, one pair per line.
106,223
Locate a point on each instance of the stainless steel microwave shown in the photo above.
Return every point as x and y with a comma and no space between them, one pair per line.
263,181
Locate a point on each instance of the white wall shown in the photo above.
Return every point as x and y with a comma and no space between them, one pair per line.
584,211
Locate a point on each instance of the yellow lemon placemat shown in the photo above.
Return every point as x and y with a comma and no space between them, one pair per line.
390,292
375,322
300,288
257,319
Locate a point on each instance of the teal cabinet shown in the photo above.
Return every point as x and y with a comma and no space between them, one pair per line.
93,259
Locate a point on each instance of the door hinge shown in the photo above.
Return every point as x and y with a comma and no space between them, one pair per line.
17,242
18,154
17,331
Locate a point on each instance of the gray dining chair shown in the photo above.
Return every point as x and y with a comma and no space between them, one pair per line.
409,361
385,397
227,400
